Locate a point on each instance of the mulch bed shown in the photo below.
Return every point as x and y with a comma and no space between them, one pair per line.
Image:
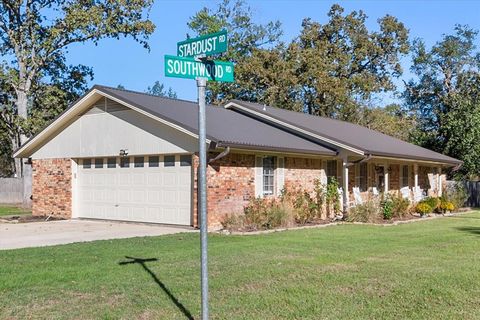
325,223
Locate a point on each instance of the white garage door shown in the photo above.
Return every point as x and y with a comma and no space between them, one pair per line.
146,189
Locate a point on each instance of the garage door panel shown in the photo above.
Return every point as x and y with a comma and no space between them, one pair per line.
146,194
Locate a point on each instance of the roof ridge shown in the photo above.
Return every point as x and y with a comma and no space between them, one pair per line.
327,118
143,93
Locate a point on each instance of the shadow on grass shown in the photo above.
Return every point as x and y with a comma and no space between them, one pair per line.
142,262
472,230
463,217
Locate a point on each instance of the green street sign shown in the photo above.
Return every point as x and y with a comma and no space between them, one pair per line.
205,45
189,68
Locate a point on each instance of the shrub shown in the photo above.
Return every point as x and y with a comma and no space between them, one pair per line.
367,212
399,206
301,205
433,202
423,208
264,213
446,206
233,221
456,194
332,197
387,208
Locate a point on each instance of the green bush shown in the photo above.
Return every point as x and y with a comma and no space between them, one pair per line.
456,194
387,208
332,198
369,211
400,206
433,202
446,206
423,208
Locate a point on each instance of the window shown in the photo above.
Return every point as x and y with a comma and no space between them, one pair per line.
138,162
169,161
268,175
124,162
111,163
404,176
362,176
87,163
153,161
99,163
185,161
331,169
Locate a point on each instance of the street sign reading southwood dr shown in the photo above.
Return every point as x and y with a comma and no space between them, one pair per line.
184,66
205,45
180,67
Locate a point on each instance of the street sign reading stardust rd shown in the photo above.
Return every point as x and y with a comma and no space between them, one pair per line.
205,45
180,67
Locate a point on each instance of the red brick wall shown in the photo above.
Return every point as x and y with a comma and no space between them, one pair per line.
231,185
301,172
394,177
52,187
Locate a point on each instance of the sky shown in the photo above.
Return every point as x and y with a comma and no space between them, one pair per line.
127,63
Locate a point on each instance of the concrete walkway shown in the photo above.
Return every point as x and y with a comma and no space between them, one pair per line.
39,234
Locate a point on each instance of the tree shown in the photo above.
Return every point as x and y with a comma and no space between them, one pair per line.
330,70
444,97
244,37
391,120
158,89
340,64
35,37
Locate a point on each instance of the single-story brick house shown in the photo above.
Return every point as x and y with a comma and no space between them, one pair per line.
124,155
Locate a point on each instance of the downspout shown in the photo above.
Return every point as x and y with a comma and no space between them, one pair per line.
222,154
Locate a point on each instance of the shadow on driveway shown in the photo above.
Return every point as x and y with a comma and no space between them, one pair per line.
142,262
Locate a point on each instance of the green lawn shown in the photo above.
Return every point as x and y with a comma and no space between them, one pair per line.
423,270
6,210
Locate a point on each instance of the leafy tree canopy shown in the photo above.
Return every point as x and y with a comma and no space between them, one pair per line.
158,89
445,97
35,36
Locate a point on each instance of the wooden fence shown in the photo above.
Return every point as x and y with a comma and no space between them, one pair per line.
473,191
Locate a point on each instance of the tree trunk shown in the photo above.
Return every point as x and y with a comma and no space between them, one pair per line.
20,167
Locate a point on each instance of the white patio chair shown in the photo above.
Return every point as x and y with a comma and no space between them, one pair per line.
357,196
405,192
418,194
340,195
375,191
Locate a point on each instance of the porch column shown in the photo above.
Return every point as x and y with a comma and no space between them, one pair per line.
387,178
439,181
415,172
345,182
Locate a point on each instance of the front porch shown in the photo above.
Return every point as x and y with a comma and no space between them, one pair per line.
366,178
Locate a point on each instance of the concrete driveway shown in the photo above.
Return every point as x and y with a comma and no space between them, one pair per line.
39,234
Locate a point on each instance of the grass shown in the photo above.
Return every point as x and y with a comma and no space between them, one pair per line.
422,270
11,210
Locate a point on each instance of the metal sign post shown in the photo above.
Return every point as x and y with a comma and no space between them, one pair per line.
191,63
202,181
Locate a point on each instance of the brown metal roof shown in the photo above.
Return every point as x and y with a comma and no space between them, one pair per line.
358,137
225,127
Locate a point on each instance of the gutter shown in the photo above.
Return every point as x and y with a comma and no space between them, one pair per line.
364,159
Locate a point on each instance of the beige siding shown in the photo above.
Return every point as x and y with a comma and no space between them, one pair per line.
104,134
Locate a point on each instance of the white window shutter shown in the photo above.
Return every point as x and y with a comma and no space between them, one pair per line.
258,176
280,175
